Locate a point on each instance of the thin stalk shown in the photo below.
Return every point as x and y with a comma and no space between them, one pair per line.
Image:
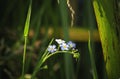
44,58
94,71
24,54
26,30
40,62
58,53
37,68
38,22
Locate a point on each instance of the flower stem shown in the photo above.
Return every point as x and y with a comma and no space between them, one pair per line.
41,61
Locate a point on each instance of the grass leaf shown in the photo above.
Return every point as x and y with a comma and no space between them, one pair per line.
27,23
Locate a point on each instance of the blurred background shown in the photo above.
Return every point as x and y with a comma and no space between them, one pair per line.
49,19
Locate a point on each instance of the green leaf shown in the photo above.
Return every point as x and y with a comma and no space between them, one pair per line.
27,23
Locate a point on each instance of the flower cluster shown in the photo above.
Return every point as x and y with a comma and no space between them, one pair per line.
63,46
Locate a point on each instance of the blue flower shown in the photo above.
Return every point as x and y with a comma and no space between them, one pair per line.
60,41
64,46
52,48
71,44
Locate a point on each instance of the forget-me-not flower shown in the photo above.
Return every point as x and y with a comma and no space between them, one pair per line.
64,46
71,44
52,48
60,41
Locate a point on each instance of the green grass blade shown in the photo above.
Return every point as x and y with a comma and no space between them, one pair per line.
26,29
27,23
94,71
68,63
105,13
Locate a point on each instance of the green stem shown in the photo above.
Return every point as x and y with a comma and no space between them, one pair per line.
26,31
41,61
44,58
37,68
94,71
24,54
57,52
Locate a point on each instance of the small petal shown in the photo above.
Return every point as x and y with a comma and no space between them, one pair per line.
64,46
71,44
60,41
52,48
